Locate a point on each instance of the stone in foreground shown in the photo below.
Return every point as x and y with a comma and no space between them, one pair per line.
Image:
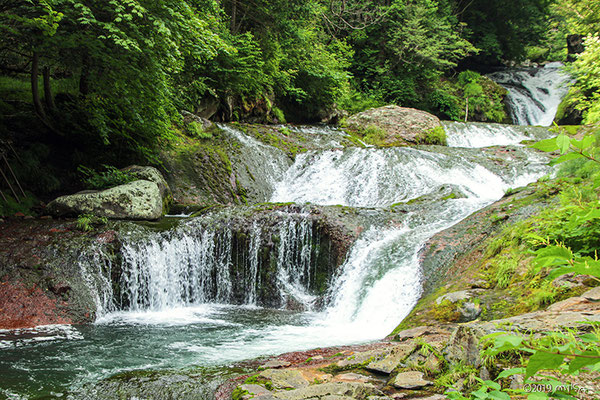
410,380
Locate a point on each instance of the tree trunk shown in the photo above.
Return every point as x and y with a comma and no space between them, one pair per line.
35,89
233,16
48,97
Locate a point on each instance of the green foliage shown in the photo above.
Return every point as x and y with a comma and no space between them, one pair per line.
89,222
195,130
502,30
585,92
12,206
436,135
108,178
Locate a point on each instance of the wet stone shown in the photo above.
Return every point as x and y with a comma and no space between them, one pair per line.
275,364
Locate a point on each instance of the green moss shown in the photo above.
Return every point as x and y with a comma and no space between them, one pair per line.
238,393
435,136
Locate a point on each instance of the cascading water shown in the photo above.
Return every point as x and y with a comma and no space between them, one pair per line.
193,294
194,264
477,135
534,93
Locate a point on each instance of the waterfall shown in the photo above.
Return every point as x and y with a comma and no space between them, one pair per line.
269,261
534,93
477,135
381,278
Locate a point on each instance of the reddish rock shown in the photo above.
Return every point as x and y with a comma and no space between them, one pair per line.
23,307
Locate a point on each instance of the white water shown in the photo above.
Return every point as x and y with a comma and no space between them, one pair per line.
477,135
534,94
378,177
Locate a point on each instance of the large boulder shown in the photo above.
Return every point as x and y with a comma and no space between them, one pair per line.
137,200
150,174
399,125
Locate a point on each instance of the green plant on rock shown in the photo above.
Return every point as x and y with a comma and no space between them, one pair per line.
436,135
195,130
110,177
89,222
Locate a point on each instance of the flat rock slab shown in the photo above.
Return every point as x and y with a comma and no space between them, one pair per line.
393,359
352,390
275,364
410,380
285,378
361,358
352,377
254,390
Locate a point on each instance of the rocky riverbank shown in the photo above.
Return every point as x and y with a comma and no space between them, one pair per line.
418,363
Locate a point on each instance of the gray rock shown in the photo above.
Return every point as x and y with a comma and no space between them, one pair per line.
353,390
463,346
410,380
137,200
285,378
150,174
275,364
352,377
456,297
592,294
400,124
413,333
393,359
254,390
362,358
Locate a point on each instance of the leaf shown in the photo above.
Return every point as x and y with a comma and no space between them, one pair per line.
566,157
537,396
492,385
498,395
542,360
547,145
563,142
579,362
510,372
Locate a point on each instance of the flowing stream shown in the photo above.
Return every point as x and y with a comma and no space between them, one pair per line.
182,299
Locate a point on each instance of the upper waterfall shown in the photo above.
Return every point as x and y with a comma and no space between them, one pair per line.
534,94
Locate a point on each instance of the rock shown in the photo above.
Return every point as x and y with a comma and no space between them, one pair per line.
352,390
463,346
150,174
275,364
401,125
413,333
592,294
456,297
468,310
392,360
361,358
434,397
352,377
410,380
285,378
254,390
137,200
336,397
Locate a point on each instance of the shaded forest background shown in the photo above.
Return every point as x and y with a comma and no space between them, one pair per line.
91,83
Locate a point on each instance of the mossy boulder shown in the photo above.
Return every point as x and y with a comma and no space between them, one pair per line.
137,200
398,125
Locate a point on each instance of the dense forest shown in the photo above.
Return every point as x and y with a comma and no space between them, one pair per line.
92,84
